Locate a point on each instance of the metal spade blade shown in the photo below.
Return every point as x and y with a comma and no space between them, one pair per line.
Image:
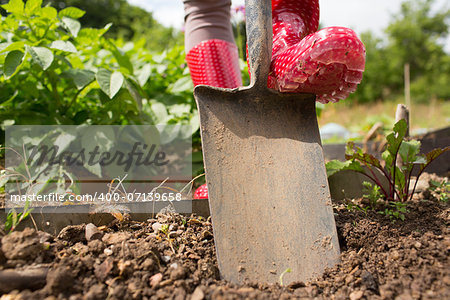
268,191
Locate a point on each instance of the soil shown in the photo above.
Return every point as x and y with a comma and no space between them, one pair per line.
173,257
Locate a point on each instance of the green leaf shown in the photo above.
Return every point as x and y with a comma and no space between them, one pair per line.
400,128
409,150
350,149
129,84
370,160
194,122
71,12
335,166
32,5
420,159
168,133
81,78
3,46
4,179
6,47
42,56
8,223
26,213
63,141
110,83
12,62
72,25
180,109
395,139
183,84
15,218
355,153
122,58
116,83
14,6
144,74
48,12
66,46
103,77
388,158
399,179
93,34
159,113
102,137
432,155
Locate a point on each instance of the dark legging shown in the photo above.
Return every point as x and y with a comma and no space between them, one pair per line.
207,20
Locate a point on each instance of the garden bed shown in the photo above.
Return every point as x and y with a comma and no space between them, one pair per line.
173,256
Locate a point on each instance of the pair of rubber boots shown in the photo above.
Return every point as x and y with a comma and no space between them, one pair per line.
328,63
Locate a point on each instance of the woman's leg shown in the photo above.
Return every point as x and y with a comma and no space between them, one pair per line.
328,63
212,55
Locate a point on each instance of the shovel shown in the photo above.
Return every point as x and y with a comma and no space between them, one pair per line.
268,192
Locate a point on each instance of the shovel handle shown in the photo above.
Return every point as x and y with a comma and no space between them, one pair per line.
259,39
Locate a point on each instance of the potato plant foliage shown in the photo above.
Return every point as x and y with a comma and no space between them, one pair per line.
53,71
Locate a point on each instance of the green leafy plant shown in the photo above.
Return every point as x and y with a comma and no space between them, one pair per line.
288,270
352,206
26,176
53,71
371,193
24,181
398,175
440,189
396,211
165,230
13,218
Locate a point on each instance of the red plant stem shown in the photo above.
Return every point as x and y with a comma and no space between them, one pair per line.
392,190
388,177
376,180
395,170
407,183
415,184
393,176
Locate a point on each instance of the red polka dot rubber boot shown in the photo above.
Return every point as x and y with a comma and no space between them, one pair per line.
328,63
201,192
293,20
215,63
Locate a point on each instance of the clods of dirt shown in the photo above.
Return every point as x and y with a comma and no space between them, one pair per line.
173,257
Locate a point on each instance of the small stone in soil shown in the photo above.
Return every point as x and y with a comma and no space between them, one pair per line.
72,233
356,295
177,272
198,294
156,227
92,232
156,279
